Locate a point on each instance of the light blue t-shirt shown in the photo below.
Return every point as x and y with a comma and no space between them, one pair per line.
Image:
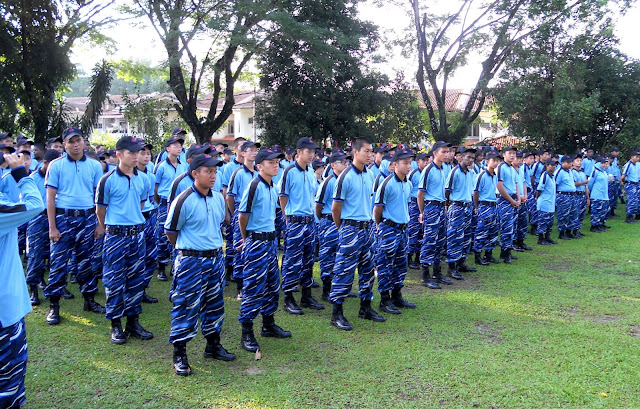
507,175
599,184
197,219
630,170
122,196
432,182
166,174
74,181
259,202
228,170
324,195
239,182
564,181
579,176
460,185
150,204
375,169
587,165
546,202
414,178
299,186
486,185
393,194
354,189
39,179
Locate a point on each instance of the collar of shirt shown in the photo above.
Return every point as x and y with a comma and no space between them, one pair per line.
209,193
358,171
270,184
120,173
82,159
398,179
301,169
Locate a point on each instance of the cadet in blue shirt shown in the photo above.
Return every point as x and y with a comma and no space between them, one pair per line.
599,194
166,171
229,169
546,203
458,193
150,214
193,227
237,185
484,197
185,181
508,202
630,177
588,163
614,188
120,197
379,153
14,298
391,214
259,252
71,181
566,187
522,222
177,133
327,231
581,199
297,192
351,210
38,232
431,204
415,227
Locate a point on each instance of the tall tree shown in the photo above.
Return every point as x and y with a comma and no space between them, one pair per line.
38,35
100,84
445,42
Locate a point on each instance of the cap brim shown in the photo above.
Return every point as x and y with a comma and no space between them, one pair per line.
403,156
274,155
71,135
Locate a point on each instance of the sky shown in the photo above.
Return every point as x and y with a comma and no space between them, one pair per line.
136,43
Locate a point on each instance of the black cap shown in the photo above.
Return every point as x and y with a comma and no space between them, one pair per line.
527,153
600,158
51,154
223,144
178,131
4,135
578,155
204,159
249,144
421,156
267,154
440,144
24,141
317,164
197,149
306,143
173,139
54,139
566,158
508,148
337,155
636,152
402,154
550,161
148,146
9,147
380,149
227,150
464,150
130,143
288,150
615,149
71,132
494,155
110,152
519,154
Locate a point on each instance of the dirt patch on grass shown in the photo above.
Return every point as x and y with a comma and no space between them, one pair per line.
491,335
254,371
634,330
559,264
572,311
605,319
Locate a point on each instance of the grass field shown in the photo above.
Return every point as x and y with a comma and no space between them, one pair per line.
558,328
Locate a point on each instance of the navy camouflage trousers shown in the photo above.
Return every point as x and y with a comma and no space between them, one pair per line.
96,257
564,208
354,251
599,212
580,210
545,222
13,365
415,228
632,191
487,229
150,247
434,234
123,260
76,234
37,248
522,222
391,257
297,259
261,279
507,218
614,192
164,247
233,239
531,206
328,239
281,225
458,228
197,292
22,239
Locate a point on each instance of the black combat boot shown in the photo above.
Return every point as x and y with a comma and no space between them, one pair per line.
524,246
91,305
118,337
630,219
517,247
479,260
270,329
488,256
338,320
464,268
547,237
53,318
326,289
427,281
414,264
135,330
180,361
228,274
453,271
162,276
67,295
147,299
595,229
368,313
534,228
33,295
239,289
290,305
569,234
506,256
386,304
307,301
399,301
215,350
542,241
248,340
437,275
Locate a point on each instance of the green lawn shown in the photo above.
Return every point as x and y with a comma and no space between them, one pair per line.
558,328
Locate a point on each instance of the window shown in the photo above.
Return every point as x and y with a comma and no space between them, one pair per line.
474,131
230,128
250,120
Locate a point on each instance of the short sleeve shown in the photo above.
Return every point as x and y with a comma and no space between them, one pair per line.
159,174
176,216
52,179
341,188
102,191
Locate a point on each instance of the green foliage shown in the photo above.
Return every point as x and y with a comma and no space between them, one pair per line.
100,85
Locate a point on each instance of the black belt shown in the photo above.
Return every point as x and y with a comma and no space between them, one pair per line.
414,199
301,219
327,216
76,212
461,204
125,231
163,201
147,215
400,226
199,253
261,236
487,203
633,183
581,193
356,223
567,193
433,202
44,212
